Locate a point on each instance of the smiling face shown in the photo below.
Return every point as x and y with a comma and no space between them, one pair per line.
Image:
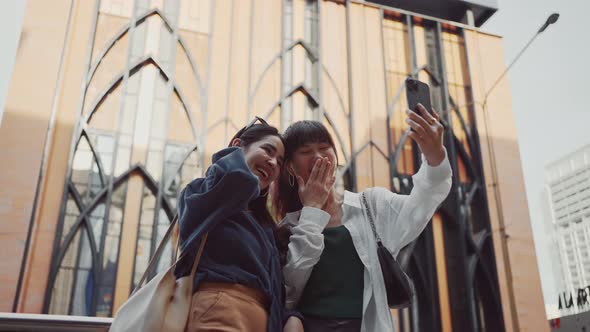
305,156
264,158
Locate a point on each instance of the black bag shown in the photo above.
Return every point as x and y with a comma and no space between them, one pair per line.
397,284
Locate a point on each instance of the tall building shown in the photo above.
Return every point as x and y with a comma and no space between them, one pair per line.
567,182
115,105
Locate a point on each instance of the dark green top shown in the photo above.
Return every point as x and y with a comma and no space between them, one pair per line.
335,287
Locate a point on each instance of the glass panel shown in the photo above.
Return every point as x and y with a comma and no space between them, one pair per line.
81,166
110,250
459,92
398,67
145,236
191,169
166,258
104,144
61,293
84,286
174,158
62,288
96,219
70,218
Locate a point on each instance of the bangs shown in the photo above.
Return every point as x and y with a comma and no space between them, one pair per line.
306,132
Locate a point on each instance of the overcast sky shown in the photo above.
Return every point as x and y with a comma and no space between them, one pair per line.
11,20
549,88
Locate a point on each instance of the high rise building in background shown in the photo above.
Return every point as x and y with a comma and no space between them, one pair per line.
567,183
115,105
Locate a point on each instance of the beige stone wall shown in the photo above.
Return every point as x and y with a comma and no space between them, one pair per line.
32,91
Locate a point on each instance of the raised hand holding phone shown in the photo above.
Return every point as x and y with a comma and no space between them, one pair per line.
425,127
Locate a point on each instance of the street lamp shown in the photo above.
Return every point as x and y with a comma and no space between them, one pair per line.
550,20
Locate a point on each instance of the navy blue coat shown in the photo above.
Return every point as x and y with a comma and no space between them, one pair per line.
239,249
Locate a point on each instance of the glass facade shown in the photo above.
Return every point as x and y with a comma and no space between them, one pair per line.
168,84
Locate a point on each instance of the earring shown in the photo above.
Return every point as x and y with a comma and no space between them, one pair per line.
291,180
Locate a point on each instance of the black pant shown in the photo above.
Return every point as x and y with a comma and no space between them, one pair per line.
316,324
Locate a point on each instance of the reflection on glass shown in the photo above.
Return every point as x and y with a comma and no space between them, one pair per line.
81,166
166,259
63,286
145,236
70,217
84,283
110,253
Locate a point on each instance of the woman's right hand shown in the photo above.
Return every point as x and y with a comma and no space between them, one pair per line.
315,192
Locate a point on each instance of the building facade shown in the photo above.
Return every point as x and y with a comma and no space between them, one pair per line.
115,105
568,187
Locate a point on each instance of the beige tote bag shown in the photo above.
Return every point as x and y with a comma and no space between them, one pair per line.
163,304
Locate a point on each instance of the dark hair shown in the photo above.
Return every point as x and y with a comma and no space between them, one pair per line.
258,207
286,198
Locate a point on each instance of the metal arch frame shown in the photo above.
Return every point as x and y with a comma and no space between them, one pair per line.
279,56
338,94
136,67
475,259
226,120
491,270
471,165
477,266
171,88
96,156
311,54
338,136
465,245
125,30
83,218
426,279
299,88
359,151
83,122
478,243
458,247
186,156
91,239
423,246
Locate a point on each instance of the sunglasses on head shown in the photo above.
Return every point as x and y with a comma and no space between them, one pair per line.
248,126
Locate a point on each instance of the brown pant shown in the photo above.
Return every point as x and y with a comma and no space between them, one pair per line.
221,307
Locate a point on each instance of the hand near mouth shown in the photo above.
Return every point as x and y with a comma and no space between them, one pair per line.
316,190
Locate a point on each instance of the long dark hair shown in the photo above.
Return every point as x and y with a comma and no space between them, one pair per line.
258,207
286,198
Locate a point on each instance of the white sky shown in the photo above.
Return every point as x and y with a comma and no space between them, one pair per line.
549,88
11,20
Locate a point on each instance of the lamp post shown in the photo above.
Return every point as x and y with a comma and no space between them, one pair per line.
550,20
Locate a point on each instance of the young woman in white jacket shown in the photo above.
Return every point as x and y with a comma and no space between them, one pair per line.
332,272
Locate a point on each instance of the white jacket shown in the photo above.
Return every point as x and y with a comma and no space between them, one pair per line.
399,220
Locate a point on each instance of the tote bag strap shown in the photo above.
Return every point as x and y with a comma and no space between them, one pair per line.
160,250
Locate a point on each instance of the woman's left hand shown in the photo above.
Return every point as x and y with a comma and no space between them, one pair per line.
427,133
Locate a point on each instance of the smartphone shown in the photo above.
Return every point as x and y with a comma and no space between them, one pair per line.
417,92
